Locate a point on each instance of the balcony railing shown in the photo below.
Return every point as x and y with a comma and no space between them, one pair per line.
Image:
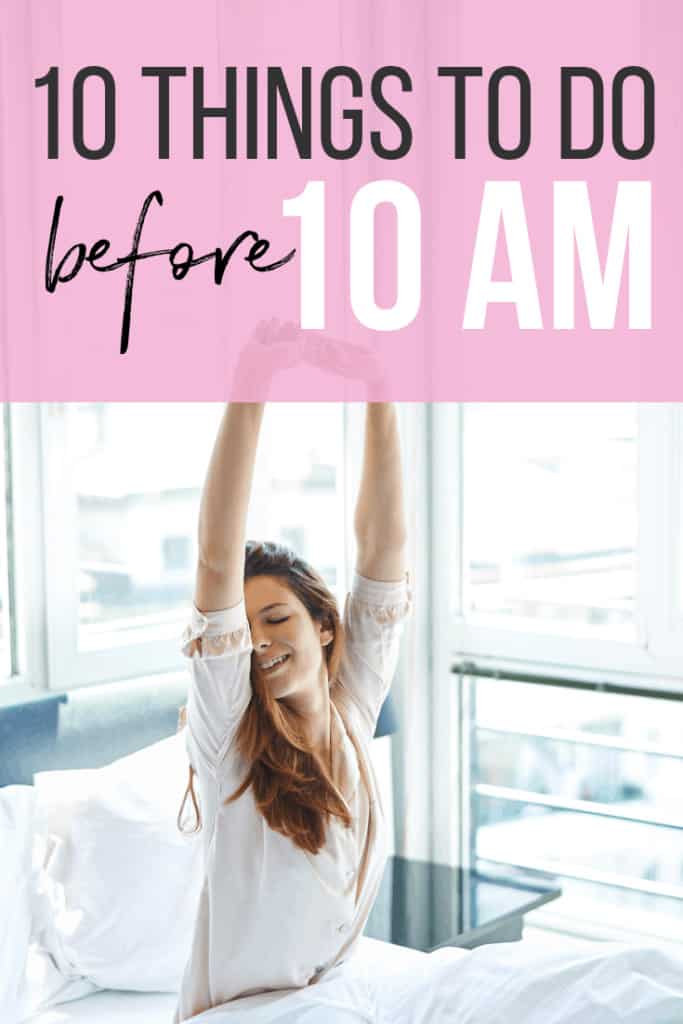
562,865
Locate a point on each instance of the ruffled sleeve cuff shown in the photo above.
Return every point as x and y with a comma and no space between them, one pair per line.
388,600
213,633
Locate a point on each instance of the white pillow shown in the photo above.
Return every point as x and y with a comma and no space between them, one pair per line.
123,884
16,835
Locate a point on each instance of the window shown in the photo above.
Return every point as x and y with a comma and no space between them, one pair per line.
571,569
583,784
116,536
136,472
176,553
298,493
551,500
571,526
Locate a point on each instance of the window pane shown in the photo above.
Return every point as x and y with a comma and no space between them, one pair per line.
550,510
139,469
297,497
559,746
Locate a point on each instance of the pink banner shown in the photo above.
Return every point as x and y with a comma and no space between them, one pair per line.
341,201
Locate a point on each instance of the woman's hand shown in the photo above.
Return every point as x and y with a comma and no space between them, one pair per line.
340,357
275,346
272,348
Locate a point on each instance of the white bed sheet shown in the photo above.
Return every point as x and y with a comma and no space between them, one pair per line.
373,959
495,984
112,1008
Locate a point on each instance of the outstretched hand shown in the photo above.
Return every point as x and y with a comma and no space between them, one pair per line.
272,348
340,357
275,346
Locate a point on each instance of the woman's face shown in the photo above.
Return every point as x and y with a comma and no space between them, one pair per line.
282,629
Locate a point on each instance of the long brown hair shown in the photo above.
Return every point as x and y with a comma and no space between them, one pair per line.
292,787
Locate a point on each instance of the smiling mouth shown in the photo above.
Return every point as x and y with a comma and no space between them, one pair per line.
272,665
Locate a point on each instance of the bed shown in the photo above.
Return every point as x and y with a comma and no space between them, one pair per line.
515,982
510,982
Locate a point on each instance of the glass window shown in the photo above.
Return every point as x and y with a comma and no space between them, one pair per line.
544,758
176,552
138,470
550,517
297,497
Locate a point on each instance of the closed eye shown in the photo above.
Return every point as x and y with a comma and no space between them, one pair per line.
275,621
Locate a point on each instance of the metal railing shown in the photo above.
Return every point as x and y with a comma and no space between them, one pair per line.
585,739
565,869
467,669
470,668
594,807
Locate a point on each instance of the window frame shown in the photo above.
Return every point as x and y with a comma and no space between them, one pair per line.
656,666
45,548
27,556
656,657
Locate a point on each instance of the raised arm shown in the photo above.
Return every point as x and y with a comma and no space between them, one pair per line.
379,519
223,508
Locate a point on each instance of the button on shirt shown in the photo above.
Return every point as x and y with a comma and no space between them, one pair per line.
271,915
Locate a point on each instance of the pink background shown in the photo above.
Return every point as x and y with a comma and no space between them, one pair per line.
187,336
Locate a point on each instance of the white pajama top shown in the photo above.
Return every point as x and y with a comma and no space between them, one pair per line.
271,915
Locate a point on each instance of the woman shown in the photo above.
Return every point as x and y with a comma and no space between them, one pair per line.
281,711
